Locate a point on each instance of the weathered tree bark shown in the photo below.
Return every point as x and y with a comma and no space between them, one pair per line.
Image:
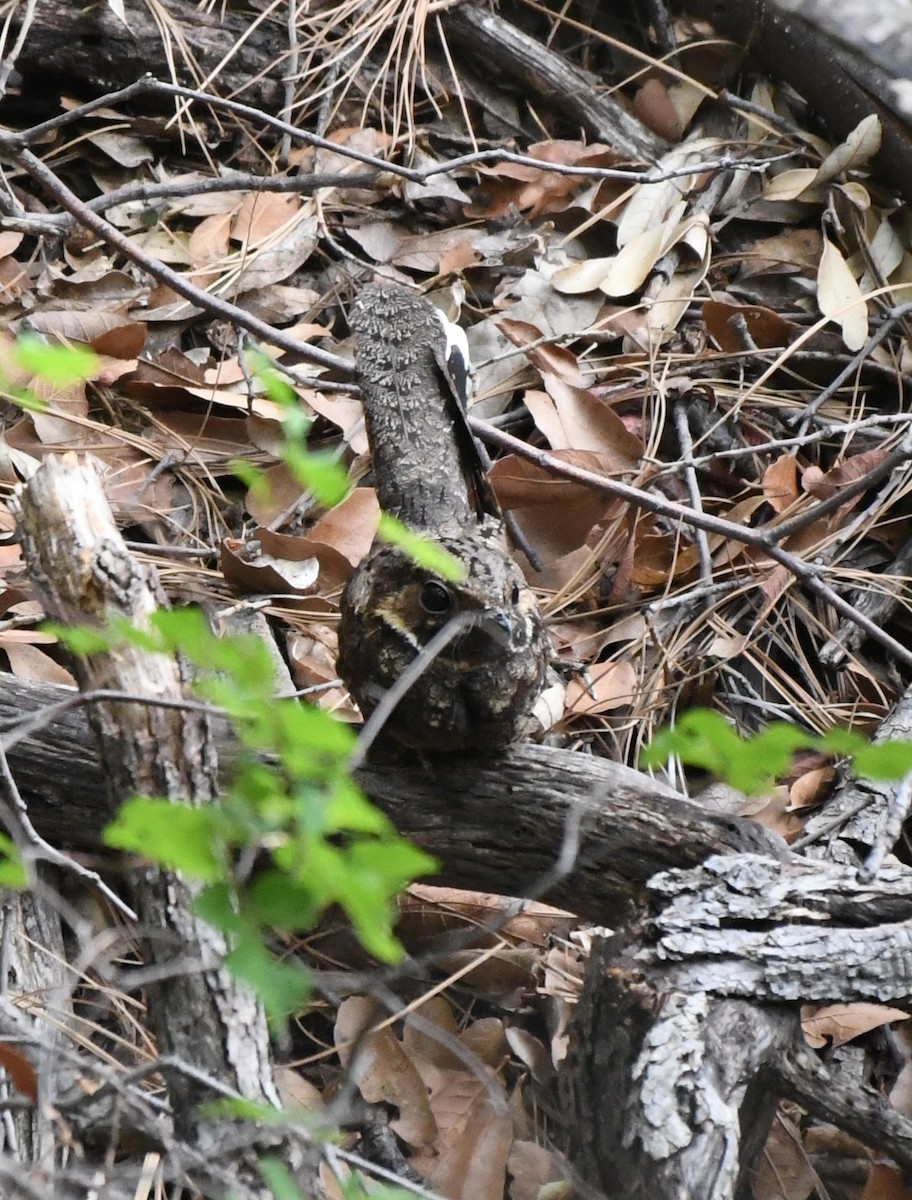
35,1009
496,824
199,1014
87,45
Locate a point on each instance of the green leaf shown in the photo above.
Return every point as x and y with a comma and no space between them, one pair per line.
421,550
703,738
216,904
13,873
279,1179
58,365
320,472
886,760
174,836
274,899
313,744
80,639
283,987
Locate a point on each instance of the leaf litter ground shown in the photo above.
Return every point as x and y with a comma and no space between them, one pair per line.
723,329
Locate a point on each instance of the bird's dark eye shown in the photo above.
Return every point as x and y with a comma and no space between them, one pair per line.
514,595
435,598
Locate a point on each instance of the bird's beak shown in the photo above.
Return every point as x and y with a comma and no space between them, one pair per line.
498,626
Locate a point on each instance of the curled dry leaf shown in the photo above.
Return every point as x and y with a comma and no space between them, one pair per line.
535,496
840,298
247,566
382,1071
780,483
575,419
550,359
840,1023
856,151
762,326
349,528
608,686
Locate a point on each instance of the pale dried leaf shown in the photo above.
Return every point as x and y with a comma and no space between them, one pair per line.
839,296
795,184
261,215
571,418
858,149
531,1167
28,662
609,686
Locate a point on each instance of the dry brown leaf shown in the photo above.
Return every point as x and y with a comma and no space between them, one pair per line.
885,1183
123,148
527,189
427,911
782,1171
274,261
350,527
334,566
20,1071
509,969
295,1091
780,483
577,420
811,788
10,241
765,328
856,151
107,332
276,493
248,567
823,485
28,662
312,661
532,1053
774,811
609,686
343,411
209,241
550,359
531,1167
439,1052
840,1023
474,1142
262,214
789,252
536,496
382,1071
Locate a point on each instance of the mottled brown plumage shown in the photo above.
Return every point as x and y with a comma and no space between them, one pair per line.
477,695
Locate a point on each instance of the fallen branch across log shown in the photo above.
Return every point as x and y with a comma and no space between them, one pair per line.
494,824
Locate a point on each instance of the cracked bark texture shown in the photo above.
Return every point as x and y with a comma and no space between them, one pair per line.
83,572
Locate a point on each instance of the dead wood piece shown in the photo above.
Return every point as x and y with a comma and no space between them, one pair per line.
88,46
881,29
852,822
656,1080
804,1078
576,93
495,824
82,570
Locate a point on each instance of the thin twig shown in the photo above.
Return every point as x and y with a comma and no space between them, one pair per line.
764,540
